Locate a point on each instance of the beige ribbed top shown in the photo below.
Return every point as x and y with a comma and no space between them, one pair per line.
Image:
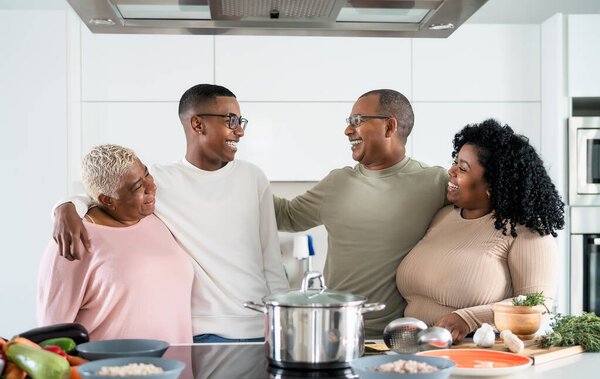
464,266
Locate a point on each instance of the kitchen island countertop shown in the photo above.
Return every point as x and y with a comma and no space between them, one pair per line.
247,360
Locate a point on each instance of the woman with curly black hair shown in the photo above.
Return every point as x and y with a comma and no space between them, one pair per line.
494,243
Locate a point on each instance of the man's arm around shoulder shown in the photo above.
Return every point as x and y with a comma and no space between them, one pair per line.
68,228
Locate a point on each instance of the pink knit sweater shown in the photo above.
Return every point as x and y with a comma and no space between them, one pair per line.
136,284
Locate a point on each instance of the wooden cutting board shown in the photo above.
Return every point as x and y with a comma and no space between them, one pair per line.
532,350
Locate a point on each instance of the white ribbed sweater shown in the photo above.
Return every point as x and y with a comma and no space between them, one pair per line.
464,266
225,221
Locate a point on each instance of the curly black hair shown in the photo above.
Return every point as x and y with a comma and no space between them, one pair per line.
521,191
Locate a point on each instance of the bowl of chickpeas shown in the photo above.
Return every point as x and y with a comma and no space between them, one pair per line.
394,366
132,367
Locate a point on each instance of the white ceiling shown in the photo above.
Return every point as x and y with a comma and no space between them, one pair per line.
530,11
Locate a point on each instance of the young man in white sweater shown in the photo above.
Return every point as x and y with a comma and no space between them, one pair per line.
221,212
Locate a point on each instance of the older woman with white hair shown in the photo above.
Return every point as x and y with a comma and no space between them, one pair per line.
138,281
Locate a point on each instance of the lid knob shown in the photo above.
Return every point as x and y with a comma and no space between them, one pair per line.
310,275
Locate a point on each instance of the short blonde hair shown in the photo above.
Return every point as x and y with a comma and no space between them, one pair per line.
103,167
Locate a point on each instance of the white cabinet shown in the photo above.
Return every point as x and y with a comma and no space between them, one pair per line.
436,124
584,55
152,130
479,63
311,68
296,141
289,141
297,91
117,67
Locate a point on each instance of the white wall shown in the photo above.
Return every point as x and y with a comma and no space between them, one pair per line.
33,152
295,91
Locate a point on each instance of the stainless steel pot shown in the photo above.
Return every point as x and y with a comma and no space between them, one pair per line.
314,328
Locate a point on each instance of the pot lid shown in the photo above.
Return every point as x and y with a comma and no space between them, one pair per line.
314,297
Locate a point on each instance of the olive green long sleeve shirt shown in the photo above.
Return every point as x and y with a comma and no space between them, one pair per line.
373,218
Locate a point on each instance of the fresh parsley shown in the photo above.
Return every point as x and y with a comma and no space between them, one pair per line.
570,330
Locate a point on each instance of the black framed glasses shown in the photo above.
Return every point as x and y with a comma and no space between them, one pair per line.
232,120
357,119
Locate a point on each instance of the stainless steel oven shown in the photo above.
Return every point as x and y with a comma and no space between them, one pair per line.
585,259
584,161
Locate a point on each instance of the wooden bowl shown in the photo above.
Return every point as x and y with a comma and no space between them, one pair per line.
520,320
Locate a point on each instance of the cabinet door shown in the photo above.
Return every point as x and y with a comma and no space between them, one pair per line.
479,63
152,130
122,67
311,68
584,55
296,141
437,123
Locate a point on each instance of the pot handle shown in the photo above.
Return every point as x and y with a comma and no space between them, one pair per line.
255,307
310,275
372,307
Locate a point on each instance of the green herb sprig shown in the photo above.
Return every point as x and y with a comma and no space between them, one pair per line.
531,300
570,330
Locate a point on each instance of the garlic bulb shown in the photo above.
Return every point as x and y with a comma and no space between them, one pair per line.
512,342
484,336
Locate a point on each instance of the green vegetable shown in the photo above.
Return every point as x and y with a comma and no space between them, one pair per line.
531,300
38,363
66,344
569,330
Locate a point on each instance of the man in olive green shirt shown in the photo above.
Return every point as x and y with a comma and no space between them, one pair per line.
376,211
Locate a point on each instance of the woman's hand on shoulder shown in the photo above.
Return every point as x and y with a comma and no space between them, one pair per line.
456,325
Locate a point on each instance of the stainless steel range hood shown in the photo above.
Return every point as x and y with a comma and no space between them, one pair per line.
373,18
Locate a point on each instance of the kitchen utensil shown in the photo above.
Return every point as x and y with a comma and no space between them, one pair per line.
400,335
532,350
122,348
364,367
304,250
521,320
172,368
434,338
313,328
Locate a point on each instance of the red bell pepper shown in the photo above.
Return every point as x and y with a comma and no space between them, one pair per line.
55,350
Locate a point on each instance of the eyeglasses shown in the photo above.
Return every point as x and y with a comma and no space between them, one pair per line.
232,120
357,119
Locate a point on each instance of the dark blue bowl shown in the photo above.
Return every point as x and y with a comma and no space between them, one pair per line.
364,367
122,348
172,368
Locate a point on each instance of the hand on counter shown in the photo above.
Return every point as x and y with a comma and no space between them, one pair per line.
456,325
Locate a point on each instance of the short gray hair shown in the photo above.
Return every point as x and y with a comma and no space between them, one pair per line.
103,167
393,103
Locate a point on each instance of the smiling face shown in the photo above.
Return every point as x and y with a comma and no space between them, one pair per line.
217,144
135,194
371,141
467,188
